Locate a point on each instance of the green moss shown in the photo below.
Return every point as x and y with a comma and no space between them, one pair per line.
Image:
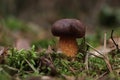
44,43
14,24
29,62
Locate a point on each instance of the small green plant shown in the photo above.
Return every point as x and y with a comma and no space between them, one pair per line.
23,60
31,63
44,43
97,66
4,75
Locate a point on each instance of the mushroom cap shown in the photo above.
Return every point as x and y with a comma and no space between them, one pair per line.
68,27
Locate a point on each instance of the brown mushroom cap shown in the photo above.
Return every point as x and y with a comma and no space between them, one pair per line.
68,27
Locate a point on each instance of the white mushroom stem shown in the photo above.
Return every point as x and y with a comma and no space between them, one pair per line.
68,46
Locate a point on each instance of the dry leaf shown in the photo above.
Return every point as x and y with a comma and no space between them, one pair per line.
101,50
49,50
2,54
22,44
41,78
70,78
112,45
109,47
1,50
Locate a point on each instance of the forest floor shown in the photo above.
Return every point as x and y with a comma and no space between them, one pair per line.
30,53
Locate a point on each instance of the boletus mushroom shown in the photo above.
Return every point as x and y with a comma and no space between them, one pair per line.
68,30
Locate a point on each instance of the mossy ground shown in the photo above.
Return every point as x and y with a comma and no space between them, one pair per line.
25,63
42,61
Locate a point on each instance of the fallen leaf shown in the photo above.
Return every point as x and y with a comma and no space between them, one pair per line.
41,78
22,43
3,53
49,50
69,77
112,45
101,50
109,46
46,62
1,50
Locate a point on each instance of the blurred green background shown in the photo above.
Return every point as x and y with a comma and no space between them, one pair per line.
32,19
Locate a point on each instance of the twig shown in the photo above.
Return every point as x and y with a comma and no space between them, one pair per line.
117,47
48,52
32,67
86,58
86,61
71,69
49,64
108,64
104,41
95,50
11,68
94,55
104,57
101,76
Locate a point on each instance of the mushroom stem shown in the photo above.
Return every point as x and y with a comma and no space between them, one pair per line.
68,46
